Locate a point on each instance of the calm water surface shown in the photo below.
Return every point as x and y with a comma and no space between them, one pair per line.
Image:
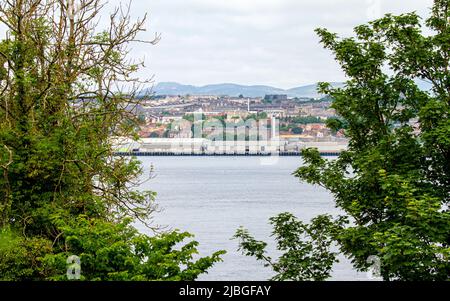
212,196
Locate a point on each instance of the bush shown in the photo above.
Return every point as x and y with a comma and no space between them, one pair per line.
107,251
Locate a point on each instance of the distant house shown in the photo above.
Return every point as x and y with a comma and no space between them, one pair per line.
169,119
279,113
236,116
340,134
152,118
275,98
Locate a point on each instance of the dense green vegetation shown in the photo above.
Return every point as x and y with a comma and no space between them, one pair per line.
294,124
191,118
306,254
336,124
62,192
258,116
302,120
393,183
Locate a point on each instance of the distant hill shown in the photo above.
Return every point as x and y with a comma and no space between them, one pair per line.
234,90
172,88
309,90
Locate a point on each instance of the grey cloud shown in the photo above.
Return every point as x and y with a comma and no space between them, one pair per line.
252,41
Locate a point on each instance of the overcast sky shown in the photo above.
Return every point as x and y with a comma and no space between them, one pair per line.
269,42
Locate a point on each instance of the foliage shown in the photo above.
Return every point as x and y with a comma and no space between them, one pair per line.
257,117
306,248
107,251
297,130
197,118
393,182
22,258
67,92
302,120
336,124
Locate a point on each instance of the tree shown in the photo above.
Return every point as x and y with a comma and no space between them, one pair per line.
336,124
258,116
303,245
393,182
307,120
107,252
297,130
67,89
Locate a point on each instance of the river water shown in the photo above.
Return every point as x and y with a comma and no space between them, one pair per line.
212,196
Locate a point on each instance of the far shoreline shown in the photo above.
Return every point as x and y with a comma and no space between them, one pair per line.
164,154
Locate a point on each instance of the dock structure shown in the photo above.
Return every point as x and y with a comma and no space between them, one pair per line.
168,154
206,147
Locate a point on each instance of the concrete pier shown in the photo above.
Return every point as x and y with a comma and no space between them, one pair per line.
206,147
283,154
